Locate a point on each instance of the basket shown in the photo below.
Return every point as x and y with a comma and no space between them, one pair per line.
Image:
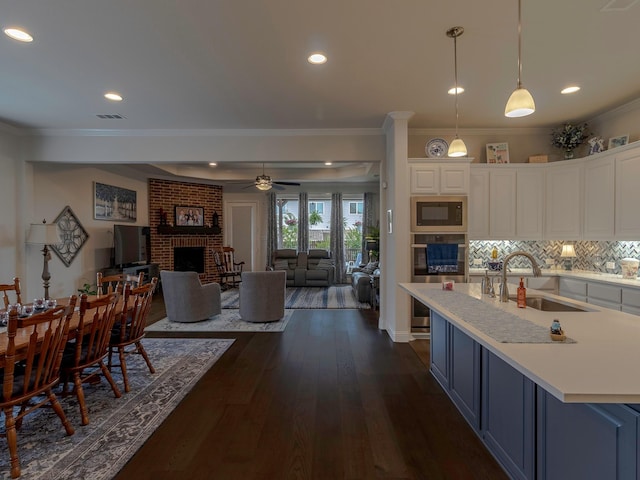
558,337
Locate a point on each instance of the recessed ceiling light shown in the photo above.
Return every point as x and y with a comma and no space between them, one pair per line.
116,97
452,90
18,34
317,58
213,164
570,89
328,163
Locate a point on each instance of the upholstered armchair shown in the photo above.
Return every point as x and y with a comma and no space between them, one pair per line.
321,270
285,259
262,296
186,299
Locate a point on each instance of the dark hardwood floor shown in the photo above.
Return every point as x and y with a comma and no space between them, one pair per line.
331,397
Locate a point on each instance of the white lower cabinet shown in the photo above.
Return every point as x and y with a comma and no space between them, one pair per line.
571,288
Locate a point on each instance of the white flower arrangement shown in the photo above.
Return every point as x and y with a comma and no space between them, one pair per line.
568,137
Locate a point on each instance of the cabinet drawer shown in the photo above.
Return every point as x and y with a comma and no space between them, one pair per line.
632,310
569,287
543,283
604,292
631,297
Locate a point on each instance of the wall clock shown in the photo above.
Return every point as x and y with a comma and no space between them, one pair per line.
72,234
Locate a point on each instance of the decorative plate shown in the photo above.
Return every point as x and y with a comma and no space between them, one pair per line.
436,147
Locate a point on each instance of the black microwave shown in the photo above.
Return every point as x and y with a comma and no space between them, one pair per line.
439,214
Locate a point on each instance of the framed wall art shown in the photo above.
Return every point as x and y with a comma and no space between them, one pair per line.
114,203
72,236
498,152
618,141
189,216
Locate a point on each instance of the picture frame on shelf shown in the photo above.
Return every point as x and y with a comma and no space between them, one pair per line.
114,203
498,152
618,141
189,216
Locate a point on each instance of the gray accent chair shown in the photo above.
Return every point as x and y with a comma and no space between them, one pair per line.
186,299
262,296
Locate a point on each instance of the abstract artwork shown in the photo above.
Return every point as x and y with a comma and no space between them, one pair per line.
72,234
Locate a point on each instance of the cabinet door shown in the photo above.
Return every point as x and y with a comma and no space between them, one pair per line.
502,204
599,198
577,440
529,203
478,204
454,179
571,288
464,375
508,416
439,349
627,175
425,179
563,205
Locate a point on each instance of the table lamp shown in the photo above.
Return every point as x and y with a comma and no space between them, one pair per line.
44,234
568,252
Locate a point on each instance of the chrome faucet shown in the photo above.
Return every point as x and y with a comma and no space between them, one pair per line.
504,291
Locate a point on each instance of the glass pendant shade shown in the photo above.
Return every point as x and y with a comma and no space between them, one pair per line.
520,104
457,148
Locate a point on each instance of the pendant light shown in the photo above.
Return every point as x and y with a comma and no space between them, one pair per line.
520,102
457,147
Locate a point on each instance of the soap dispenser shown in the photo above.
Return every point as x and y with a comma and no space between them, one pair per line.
522,294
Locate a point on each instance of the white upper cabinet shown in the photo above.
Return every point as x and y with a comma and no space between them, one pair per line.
627,218
599,198
530,203
478,204
442,177
502,203
563,201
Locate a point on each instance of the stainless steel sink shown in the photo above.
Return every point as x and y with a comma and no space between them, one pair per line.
548,305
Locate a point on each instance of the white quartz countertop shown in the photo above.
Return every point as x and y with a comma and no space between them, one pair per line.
578,274
601,367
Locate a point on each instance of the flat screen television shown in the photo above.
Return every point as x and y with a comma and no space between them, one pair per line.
130,244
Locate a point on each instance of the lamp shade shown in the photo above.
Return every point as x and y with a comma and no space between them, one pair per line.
457,148
43,234
520,103
568,251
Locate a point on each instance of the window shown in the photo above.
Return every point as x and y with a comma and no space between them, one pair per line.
355,208
316,207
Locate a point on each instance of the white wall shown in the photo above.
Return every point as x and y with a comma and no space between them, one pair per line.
54,187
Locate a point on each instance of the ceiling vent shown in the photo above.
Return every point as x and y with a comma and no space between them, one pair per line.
115,116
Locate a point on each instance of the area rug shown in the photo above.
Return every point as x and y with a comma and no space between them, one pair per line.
337,296
227,321
118,427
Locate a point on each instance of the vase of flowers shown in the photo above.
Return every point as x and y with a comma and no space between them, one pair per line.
569,137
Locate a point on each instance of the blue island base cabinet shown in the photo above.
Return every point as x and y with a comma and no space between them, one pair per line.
586,440
508,416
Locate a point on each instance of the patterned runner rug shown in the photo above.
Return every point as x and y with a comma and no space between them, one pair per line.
336,296
227,321
118,427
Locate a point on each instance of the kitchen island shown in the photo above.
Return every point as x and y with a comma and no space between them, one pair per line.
545,410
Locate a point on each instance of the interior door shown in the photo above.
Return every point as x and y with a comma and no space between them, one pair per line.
240,232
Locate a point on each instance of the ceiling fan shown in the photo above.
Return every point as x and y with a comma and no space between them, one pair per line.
264,182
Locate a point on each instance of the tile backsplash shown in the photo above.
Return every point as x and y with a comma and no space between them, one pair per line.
590,255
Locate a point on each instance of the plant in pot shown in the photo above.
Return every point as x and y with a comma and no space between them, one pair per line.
372,242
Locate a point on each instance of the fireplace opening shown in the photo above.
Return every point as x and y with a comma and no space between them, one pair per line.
188,259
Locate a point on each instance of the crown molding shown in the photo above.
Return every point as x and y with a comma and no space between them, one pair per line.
334,132
479,131
624,108
6,128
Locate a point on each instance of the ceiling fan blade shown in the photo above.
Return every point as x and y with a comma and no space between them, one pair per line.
276,187
288,183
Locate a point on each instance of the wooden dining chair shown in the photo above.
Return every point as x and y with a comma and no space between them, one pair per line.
128,330
8,287
83,359
33,370
111,283
229,270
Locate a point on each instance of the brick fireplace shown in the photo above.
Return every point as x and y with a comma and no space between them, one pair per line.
164,195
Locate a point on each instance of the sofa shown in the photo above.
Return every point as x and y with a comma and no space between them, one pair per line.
314,268
361,281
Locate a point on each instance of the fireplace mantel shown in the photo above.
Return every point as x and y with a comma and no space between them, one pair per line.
188,230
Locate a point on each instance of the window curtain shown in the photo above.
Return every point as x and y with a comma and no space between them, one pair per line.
337,237
272,226
303,222
368,218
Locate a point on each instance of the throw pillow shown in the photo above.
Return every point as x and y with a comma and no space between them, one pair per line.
281,265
